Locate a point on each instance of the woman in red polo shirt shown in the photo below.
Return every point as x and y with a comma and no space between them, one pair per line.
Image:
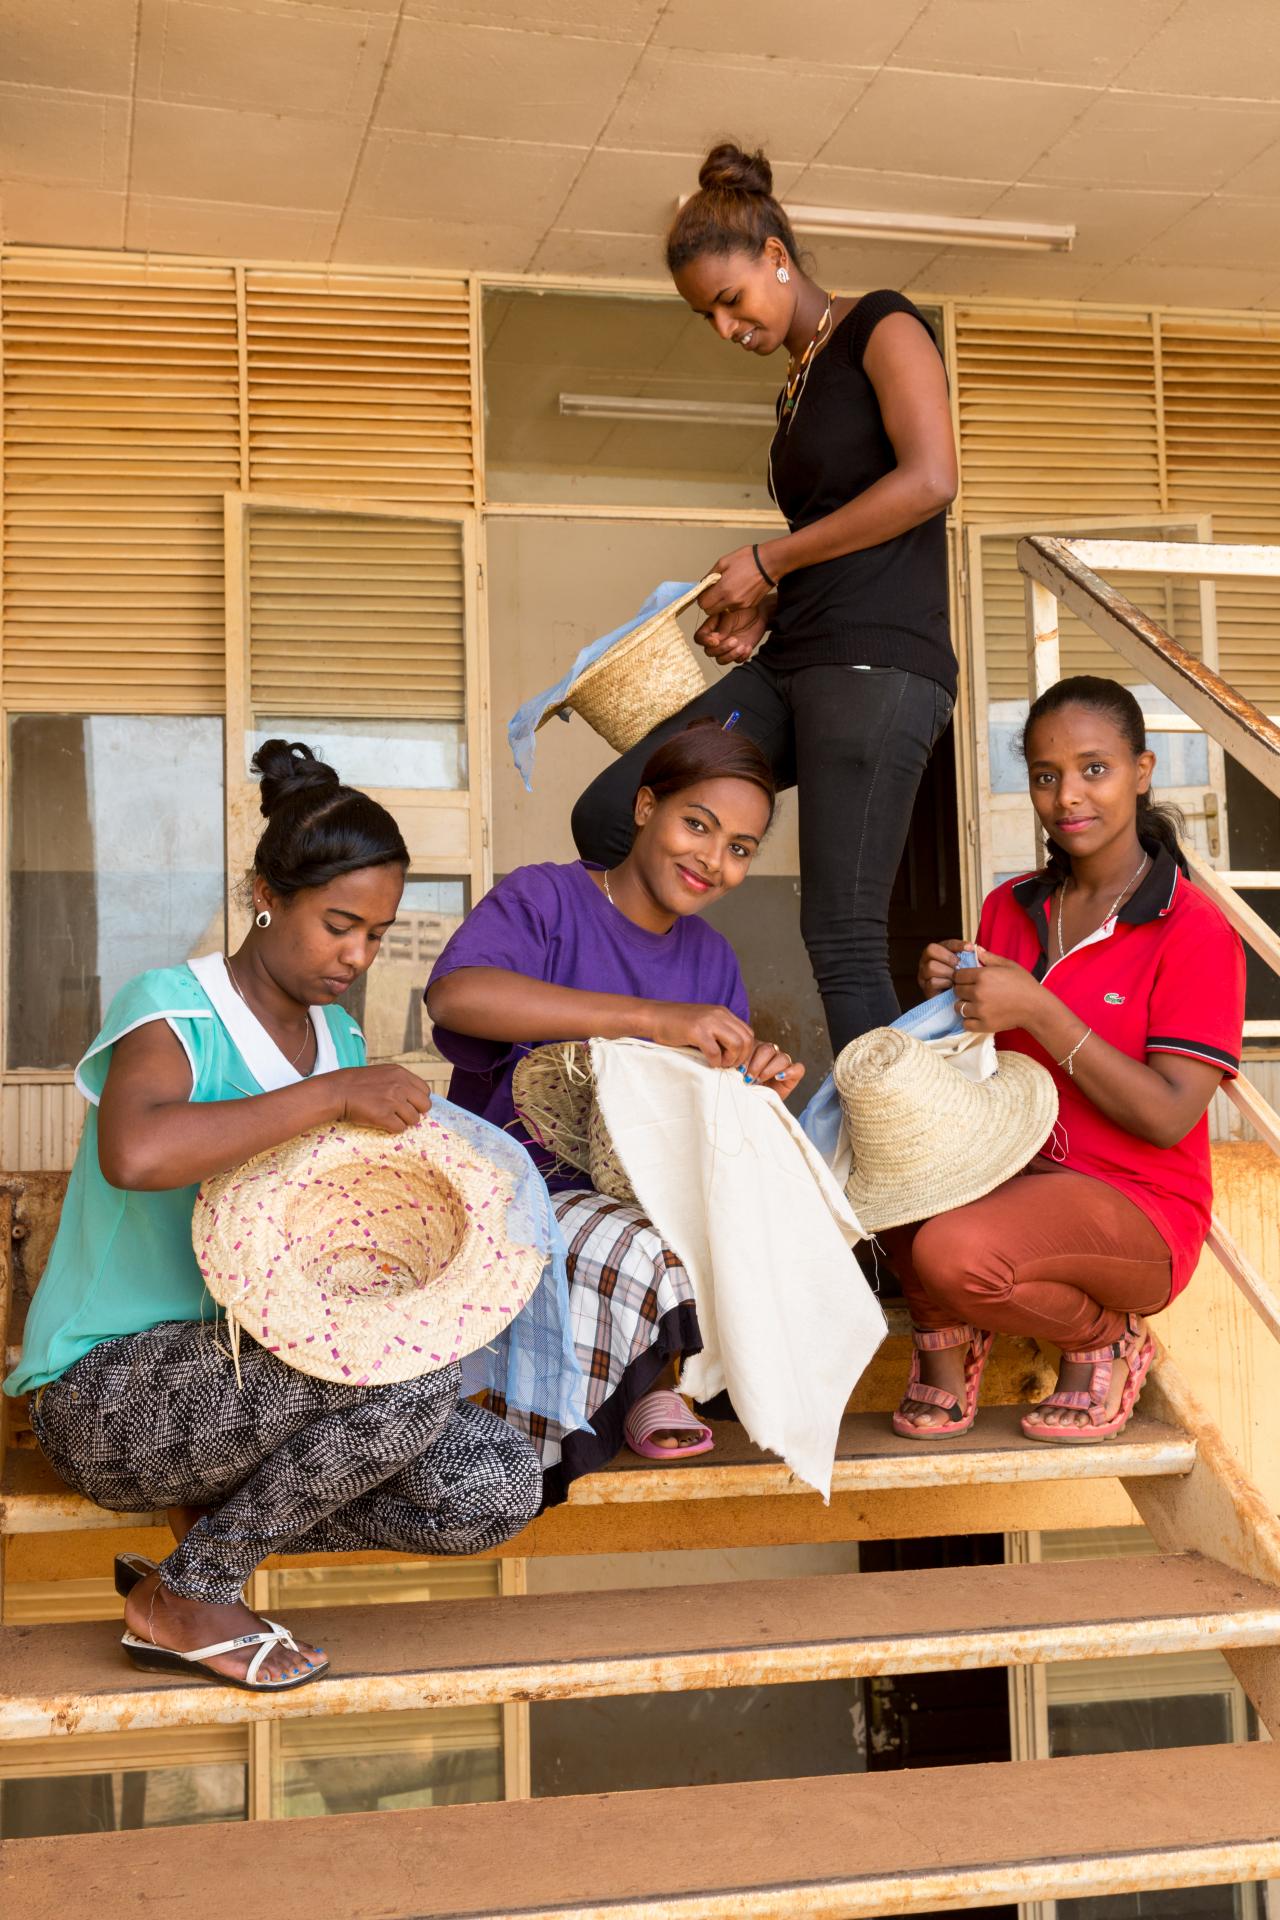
1127,983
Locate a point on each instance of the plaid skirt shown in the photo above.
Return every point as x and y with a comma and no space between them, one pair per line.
632,1310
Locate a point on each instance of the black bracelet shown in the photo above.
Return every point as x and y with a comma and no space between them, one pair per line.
755,555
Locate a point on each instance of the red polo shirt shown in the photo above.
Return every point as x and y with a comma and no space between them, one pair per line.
1165,975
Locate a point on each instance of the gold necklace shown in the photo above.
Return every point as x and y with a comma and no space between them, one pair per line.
226,961
799,372
608,896
1112,911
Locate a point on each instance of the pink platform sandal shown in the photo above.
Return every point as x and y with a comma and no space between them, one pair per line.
663,1411
1138,1349
934,1340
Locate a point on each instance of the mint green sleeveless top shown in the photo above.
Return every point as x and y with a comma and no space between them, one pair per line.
123,1262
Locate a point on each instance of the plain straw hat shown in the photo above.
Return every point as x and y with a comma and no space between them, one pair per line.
365,1257
925,1139
642,680
553,1091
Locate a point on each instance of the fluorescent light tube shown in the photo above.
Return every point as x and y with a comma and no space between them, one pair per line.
928,229
707,413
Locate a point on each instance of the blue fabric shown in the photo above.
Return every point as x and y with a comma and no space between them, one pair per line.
933,1019
523,723
532,1363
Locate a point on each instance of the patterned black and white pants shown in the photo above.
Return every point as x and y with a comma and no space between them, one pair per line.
283,1462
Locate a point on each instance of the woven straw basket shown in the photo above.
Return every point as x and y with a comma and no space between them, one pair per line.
365,1257
554,1095
643,679
925,1138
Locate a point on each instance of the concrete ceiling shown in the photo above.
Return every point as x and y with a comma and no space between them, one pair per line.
554,135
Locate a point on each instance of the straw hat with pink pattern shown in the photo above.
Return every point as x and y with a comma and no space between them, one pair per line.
365,1257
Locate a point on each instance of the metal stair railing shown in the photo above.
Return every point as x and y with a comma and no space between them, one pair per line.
1065,571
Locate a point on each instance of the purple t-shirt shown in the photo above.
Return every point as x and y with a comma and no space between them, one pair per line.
553,923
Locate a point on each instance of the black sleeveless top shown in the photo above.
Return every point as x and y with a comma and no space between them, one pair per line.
885,606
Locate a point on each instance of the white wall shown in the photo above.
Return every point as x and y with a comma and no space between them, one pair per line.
553,585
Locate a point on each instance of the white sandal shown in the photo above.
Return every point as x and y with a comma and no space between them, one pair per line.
144,1653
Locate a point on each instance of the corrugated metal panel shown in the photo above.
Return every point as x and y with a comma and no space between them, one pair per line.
1226,1122
40,1125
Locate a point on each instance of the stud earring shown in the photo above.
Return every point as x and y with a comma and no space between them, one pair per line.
783,275
262,919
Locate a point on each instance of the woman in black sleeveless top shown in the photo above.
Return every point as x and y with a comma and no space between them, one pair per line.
857,678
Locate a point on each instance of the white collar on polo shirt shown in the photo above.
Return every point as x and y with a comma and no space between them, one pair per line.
269,1067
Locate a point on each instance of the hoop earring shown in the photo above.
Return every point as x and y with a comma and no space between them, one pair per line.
262,919
783,275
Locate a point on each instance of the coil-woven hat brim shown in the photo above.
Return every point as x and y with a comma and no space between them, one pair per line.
364,1257
552,1090
643,679
924,1138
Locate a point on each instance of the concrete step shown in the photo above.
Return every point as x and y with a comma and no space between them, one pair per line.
870,1458
75,1679
833,1848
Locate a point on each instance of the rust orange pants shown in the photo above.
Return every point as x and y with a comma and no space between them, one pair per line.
1051,1253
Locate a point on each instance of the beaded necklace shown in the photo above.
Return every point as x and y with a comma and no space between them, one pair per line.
797,380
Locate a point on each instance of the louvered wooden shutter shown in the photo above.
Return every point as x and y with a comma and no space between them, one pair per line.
1058,413
1222,432
355,616
360,386
121,422
1059,421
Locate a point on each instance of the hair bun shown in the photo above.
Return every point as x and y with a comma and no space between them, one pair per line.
729,169
288,768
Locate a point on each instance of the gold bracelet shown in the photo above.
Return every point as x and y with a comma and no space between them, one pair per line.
1071,1072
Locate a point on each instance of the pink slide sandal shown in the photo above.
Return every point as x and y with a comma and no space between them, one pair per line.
664,1412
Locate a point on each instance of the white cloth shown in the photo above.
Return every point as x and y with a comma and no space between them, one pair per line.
789,1323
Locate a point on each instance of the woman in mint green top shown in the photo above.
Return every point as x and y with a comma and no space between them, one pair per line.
123,1261
138,1402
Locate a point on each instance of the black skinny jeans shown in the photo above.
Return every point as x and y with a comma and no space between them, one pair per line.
855,741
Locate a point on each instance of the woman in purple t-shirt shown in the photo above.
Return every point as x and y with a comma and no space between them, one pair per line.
579,952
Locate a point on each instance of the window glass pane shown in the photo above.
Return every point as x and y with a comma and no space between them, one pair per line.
387,1001
603,398
116,864
599,398
1182,759
370,1763
1136,1705
122,1801
357,633
377,753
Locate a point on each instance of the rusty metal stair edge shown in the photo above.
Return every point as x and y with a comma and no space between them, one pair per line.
52,1508
72,1681
917,1892
842,1847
